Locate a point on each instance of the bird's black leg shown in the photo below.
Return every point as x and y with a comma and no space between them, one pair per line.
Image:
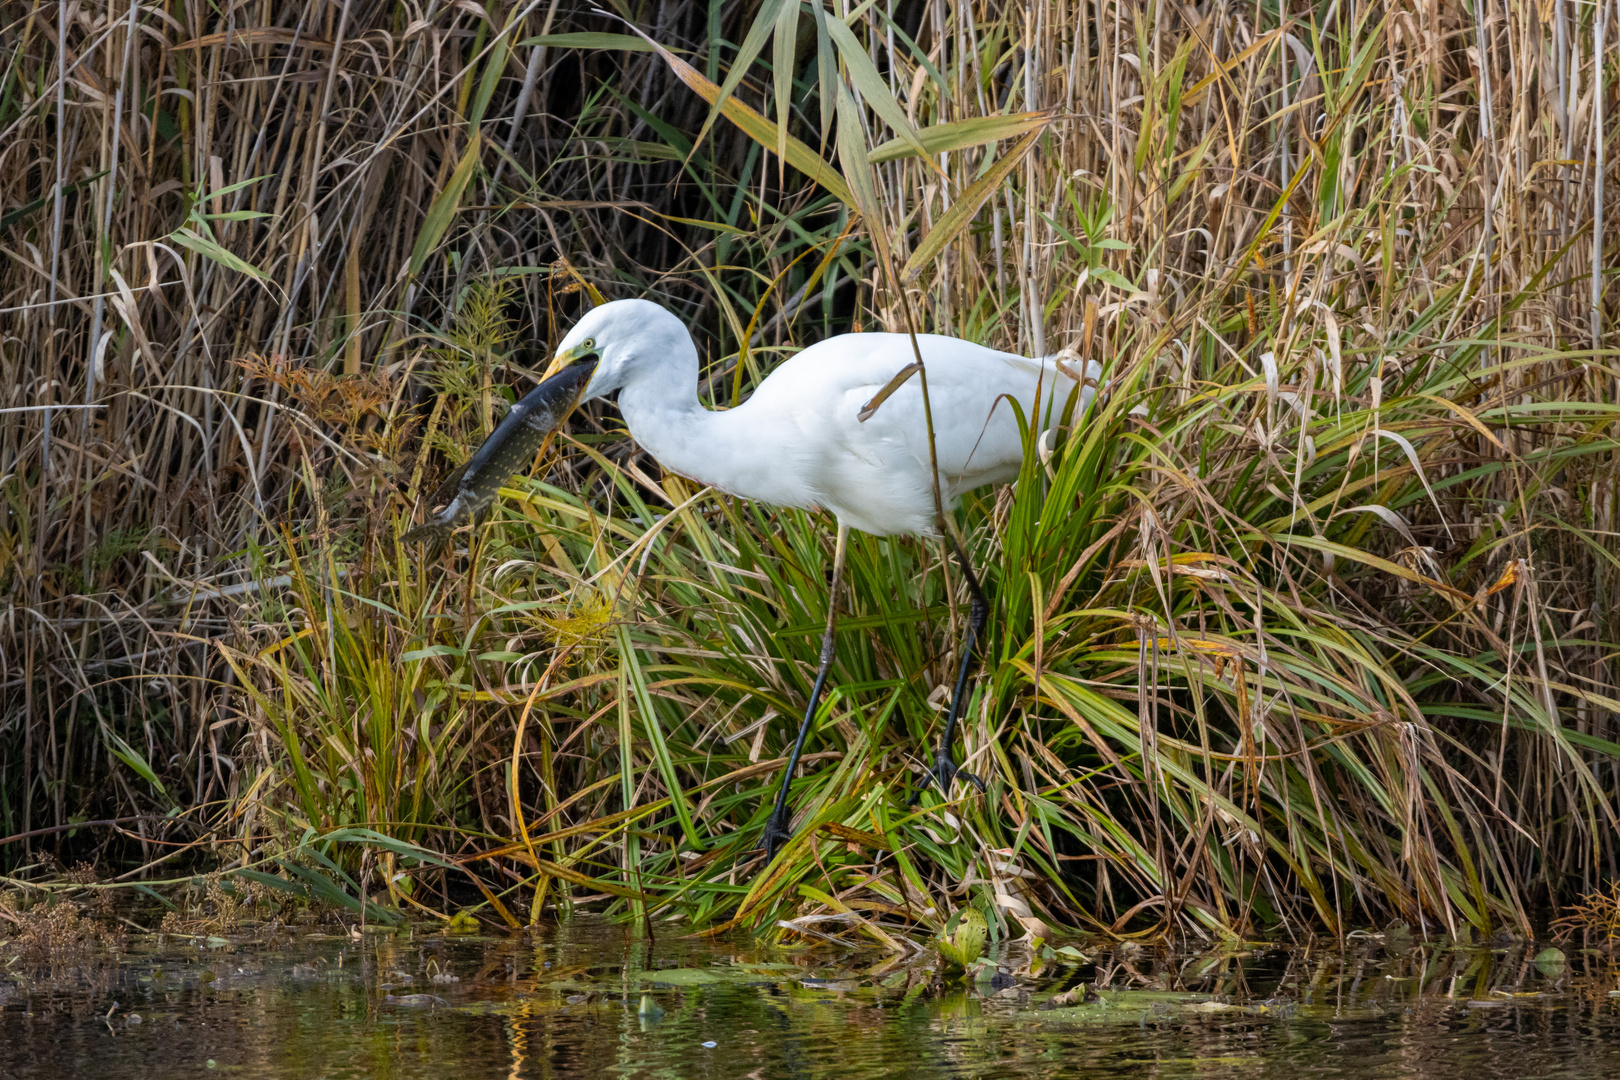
778,827
945,769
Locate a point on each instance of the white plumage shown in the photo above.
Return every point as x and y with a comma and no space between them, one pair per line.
799,441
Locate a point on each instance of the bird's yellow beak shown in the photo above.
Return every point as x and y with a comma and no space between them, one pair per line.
568,357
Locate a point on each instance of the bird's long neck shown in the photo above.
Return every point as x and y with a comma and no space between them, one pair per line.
716,448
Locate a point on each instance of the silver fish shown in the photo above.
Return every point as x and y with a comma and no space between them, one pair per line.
469,491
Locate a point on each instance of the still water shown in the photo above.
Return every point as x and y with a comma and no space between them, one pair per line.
586,999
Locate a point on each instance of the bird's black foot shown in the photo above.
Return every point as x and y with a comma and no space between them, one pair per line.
945,772
778,831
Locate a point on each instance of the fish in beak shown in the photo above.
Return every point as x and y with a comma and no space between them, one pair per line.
583,353
468,492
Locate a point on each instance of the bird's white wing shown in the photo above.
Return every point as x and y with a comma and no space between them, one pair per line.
874,474
969,387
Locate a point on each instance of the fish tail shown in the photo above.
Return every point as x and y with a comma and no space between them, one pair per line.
435,534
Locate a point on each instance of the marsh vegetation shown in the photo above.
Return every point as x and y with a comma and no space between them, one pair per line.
1309,626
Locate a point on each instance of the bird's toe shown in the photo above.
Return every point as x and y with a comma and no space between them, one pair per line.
974,780
778,831
946,773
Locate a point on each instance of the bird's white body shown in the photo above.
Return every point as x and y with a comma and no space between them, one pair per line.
798,441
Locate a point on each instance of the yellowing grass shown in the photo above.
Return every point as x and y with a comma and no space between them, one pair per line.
1305,626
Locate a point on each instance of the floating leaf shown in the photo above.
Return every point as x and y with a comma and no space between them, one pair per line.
684,977
1127,1007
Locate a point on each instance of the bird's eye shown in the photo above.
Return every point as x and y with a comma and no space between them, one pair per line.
588,343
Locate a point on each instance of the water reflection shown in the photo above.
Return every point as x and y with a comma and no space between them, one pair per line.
584,999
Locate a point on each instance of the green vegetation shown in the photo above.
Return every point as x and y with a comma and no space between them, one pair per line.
1309,626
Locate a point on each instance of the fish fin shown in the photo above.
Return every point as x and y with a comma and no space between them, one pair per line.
451,485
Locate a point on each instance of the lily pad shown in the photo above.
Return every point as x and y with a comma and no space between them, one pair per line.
711,976
770,969
416,1001
1131,1007
684,976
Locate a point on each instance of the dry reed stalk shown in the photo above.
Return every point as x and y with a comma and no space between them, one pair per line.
1273,221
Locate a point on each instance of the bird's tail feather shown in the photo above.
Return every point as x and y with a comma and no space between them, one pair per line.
1089,377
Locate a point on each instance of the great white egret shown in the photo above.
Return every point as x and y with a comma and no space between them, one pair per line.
838,427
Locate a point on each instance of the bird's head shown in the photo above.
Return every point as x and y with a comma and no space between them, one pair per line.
625,337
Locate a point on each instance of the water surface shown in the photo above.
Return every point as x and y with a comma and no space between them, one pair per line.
586,999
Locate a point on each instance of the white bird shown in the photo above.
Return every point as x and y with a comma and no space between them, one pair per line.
808,437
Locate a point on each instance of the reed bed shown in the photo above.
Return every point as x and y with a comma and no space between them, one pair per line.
1308,626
